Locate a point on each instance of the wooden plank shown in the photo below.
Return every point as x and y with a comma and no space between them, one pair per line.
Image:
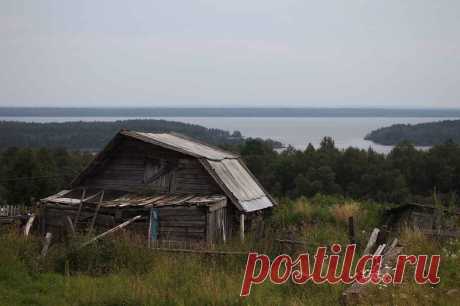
29,225
351,230
57,195
217,205
46,244
242,227
380,249
110,231
353,293
372,241
70,226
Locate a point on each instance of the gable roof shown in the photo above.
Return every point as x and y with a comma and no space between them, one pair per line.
181,144
227,169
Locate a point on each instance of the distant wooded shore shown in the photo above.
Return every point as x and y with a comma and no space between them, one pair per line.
422,134
226,112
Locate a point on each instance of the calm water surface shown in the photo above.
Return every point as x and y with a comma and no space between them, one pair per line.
297,132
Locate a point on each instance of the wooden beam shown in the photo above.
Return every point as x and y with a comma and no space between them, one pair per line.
217,205
70,225
47,243
29,225
116,228
242,227
351,230
372,241
149,234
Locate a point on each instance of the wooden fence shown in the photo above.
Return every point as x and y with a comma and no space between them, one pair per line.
14,210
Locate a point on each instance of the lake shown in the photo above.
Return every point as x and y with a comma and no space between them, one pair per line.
297,132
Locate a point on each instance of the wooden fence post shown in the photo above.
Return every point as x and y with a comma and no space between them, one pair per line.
242,227
351,230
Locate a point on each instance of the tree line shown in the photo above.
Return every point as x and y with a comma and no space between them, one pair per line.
28,174
405,173
92,136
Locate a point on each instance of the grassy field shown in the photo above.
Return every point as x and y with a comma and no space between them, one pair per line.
120,271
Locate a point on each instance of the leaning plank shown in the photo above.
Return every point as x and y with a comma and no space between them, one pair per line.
352,294
116,228
47,243
29,224
380,249
70,225
390,248
372,241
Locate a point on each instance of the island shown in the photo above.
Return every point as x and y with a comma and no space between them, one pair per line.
422,134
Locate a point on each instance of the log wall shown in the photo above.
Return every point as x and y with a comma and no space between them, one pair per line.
133,162
179,223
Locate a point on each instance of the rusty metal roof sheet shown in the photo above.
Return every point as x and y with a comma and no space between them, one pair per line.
182,144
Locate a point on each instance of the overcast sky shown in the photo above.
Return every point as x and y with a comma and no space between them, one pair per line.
403,53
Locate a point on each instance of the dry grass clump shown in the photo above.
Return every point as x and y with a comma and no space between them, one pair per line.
302,208
415,242
341,212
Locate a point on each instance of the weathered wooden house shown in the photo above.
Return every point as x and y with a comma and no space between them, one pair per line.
428,219
182,189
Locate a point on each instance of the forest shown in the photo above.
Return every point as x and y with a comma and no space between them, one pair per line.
422,134
92,136
403,175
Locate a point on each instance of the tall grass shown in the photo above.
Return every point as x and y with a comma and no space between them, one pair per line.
121,271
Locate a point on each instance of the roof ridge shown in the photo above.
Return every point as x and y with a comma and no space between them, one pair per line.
203,143
184,149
